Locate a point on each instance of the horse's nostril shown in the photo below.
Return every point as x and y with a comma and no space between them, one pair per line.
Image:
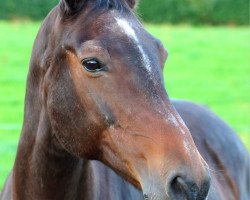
146,197
182,188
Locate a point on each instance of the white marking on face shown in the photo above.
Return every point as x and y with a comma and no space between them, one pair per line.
190,149
171,118
130,32
182,124
127,28
174,120
187,146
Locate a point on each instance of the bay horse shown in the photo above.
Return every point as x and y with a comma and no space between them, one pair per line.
98,123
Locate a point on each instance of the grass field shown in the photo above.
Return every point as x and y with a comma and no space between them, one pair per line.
206,65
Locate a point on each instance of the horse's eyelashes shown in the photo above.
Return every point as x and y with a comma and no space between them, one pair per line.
92,65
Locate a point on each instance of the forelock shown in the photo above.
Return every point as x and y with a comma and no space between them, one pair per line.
118,5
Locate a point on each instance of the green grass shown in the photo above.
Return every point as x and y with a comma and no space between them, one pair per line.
206,65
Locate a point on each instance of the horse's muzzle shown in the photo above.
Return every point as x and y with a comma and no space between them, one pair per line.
181,188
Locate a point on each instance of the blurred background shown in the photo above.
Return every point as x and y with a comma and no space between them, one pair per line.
207,41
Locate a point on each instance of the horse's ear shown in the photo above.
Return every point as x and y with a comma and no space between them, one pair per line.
132,3
69,7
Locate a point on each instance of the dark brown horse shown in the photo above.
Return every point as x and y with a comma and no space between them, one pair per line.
95,92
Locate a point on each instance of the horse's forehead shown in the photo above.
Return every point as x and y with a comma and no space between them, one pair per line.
131,28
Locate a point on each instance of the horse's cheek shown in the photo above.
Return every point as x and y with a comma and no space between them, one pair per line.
70,124
61,109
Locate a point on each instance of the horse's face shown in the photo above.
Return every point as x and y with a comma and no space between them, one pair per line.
106,101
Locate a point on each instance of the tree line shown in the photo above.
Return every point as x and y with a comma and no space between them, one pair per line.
154,11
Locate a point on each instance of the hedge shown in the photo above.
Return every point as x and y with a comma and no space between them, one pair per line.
156,11
30,9
195,11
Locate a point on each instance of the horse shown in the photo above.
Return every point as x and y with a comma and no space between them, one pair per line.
99,124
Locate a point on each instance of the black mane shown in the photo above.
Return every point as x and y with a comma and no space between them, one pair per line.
69,8
119,5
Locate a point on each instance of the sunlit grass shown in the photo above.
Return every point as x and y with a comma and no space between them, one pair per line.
207,65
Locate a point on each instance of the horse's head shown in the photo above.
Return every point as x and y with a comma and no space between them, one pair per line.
104,94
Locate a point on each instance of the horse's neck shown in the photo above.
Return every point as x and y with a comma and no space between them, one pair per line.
43,169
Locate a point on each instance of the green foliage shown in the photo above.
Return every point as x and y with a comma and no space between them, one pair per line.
195,11
34,9
159,11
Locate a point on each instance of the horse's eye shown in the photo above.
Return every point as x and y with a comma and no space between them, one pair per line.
92,65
